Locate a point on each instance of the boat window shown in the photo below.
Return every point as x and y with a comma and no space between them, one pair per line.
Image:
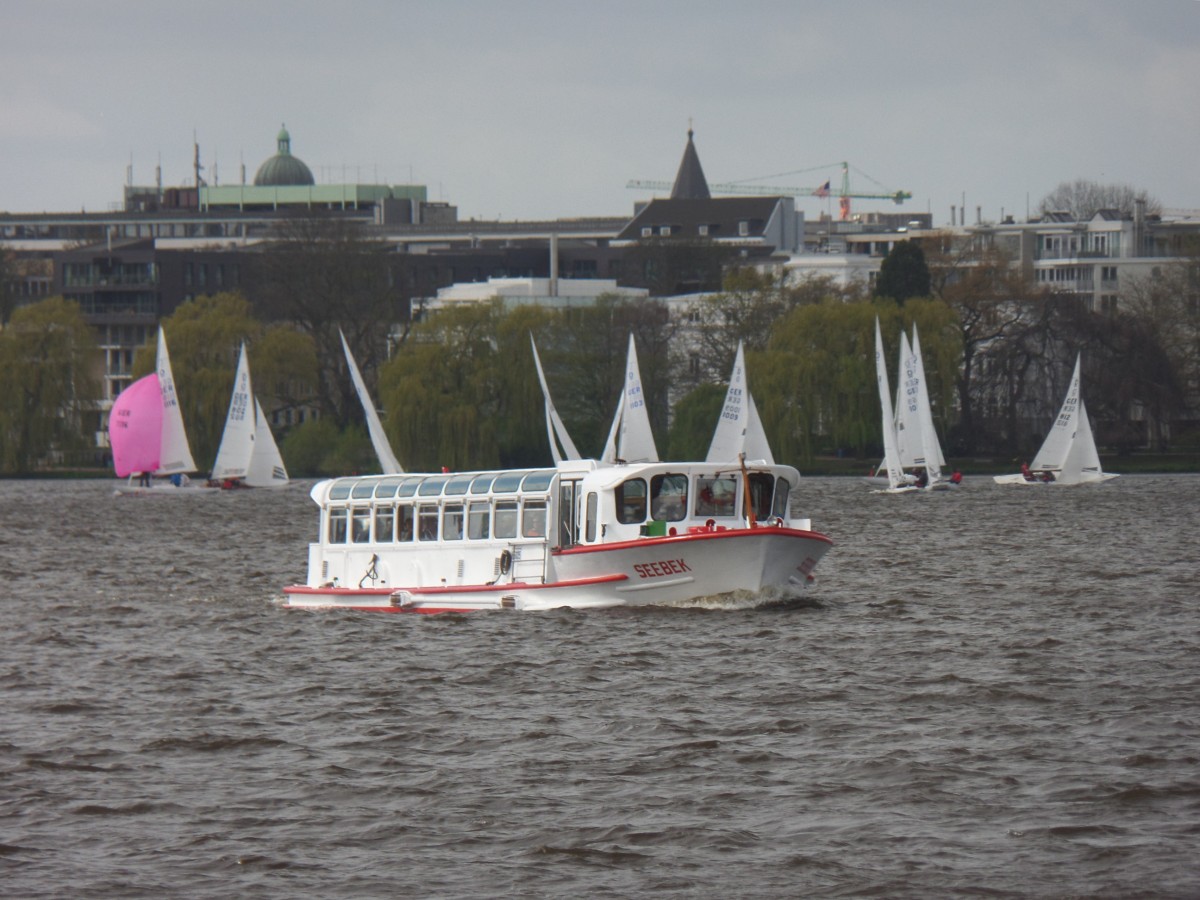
482,483
762,486
427,523
780,508
387,487
341,489
593,509
568,512
716,496
408,487
337,525
506,518
631,501
533,519
360,525
452,523
537,481
458,485
431,487
363,490
668,495
477,521
404,522
507,482
385,524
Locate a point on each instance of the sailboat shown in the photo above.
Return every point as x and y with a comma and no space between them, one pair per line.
630,438
739,433
1068,454
388,463
248,455
897,481
561,445
146,433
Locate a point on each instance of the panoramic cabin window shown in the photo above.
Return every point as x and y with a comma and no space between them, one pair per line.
668,497
427,523
385,524
715,497
477,521
337,525
404,523
452,523
780,507
631,502
506,518
360,525
533,519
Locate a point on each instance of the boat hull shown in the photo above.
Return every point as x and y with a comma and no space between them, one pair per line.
651,571
1020,479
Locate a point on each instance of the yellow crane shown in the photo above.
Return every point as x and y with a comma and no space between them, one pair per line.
750,187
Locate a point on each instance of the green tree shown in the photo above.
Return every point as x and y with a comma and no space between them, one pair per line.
696,417
204,336
903,274
48,355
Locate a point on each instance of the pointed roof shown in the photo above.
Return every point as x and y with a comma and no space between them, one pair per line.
690,183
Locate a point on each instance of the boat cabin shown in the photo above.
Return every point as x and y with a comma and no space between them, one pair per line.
475,527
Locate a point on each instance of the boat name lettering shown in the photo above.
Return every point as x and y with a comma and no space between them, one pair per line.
662,567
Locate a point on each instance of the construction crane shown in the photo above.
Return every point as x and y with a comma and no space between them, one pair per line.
747,187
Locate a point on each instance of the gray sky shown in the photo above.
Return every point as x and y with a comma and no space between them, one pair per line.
527,109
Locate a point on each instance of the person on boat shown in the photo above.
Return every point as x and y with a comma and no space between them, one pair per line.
143,479
1047,477
956,478
920,477
1028,475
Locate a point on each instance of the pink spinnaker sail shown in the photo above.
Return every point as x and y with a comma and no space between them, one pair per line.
135,427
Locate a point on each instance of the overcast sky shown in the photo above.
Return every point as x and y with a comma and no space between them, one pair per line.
520,109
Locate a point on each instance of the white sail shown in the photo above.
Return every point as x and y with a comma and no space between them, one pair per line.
237,440
931,447
176,454
266,467
387,459
739,430
891,456
556,431
630,437
908,417
1056,446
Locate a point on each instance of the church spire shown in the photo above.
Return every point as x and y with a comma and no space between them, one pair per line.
690,183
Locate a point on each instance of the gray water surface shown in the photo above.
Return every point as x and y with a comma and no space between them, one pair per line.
994,692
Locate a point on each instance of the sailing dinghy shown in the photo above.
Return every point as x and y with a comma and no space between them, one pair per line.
147,436
897,481
1068,455
248,455
388,464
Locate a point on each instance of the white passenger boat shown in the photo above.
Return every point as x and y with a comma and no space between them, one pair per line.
583,534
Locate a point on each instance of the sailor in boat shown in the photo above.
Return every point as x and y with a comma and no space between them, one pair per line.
1025,473
956,478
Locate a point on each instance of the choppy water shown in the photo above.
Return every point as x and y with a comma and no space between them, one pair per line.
990,693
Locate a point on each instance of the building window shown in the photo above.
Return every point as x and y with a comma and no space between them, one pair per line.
703,231
664,230
743,228
647,231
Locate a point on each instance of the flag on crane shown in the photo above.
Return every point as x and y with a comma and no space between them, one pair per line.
822,191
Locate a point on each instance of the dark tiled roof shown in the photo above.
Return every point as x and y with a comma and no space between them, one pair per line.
721,218
690,183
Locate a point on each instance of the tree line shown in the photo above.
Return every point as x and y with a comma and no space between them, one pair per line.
458,387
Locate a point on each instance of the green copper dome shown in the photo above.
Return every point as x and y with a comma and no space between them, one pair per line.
283,169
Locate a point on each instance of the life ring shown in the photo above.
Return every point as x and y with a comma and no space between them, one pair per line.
505,561
710,525
779,521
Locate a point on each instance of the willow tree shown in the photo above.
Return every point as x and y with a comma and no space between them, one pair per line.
460,390
48,354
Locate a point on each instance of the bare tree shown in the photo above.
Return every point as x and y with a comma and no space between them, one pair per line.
1083,199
